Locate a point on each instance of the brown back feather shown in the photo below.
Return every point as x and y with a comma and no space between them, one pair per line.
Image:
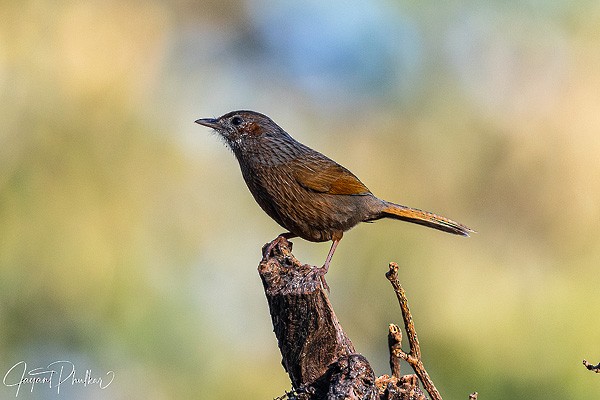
327,177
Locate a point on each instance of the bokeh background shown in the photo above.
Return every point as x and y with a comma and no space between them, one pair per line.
129,242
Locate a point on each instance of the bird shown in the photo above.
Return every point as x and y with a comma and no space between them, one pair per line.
304,191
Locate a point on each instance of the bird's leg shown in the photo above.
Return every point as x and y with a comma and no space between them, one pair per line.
286,235
330,255
325,267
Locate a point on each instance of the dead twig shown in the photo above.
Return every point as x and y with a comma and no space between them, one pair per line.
591,367
395,343
413,357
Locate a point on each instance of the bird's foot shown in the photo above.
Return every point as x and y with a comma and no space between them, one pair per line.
324,283
322,271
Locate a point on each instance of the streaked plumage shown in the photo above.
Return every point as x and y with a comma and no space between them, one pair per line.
305,192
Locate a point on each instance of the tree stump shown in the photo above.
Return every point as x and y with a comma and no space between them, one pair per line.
318,356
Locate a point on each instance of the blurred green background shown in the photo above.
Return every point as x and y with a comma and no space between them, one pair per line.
129,242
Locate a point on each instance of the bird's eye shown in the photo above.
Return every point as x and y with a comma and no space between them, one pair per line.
236,120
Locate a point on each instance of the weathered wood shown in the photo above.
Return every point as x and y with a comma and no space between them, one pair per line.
316,353
312,343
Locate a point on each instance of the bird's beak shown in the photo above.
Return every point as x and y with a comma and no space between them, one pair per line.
210,122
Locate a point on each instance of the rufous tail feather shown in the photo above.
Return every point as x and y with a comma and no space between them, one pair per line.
420,217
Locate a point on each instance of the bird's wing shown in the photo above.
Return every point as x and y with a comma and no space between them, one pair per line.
323,175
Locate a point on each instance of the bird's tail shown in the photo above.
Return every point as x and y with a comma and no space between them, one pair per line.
431,220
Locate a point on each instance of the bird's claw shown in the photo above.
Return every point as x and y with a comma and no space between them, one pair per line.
322,271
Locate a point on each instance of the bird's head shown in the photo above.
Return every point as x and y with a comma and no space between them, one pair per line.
240,128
